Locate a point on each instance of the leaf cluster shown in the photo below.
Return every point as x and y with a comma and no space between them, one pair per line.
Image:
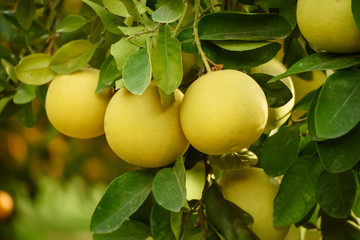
134,42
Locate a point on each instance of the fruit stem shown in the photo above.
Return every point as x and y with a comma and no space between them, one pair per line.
181,20
197,38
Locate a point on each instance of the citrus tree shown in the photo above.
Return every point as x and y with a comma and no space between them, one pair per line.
260,97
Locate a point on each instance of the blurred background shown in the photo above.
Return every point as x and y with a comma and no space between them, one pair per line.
53,181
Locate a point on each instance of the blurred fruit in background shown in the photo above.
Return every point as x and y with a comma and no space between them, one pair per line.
50,183
6,205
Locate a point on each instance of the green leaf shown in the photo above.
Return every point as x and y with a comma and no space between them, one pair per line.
187,40
242,26
338,109
122,198
235,161
339,229
110,21
176,223
168,11
340,154
238,45
5,54
129,230
138,35
240,60
131,9
25,11
137,71
311,118
25,94
160,220
71,23
26,115
121,51
166,99
321,61
356,205
277,93
118,7
10,70
109,71
34,69
166,61
297,192
169,187
72,56
336,192
355,9
280,150
230,221
4,101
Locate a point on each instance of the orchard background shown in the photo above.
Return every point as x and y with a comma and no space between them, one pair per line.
65,187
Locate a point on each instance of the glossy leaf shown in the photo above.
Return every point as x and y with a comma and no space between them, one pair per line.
340,154
110,21
121,50
129,230
321,61
240,60
311,118
235,161
280,150
72,56
238,45
122,198
160,221
277,93
26,115
355,9
71,23
166,61
34,69
119,8
137,71
109,71
338,109
297,192
9,69
187,40
336,192
169,187
339,229
25,94
168,11
25,11
242,26
4,101
230,221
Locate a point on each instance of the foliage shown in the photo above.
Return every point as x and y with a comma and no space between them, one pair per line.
132,42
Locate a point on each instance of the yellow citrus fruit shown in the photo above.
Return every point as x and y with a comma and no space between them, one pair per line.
6,205
143,132
277,116
72,106
253,191
328,25
195,181
223,112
